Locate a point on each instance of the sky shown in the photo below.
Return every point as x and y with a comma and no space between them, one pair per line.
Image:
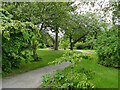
98,5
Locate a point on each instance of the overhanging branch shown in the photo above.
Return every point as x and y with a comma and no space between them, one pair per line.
80,38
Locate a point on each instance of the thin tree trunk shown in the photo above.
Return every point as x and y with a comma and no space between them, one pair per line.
71,44
34,53
56,40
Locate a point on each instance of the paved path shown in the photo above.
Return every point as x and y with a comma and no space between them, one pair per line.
69,49
31,79
82,51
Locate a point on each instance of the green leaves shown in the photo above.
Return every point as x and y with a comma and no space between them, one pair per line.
107,47
72,57
61,80
17,36
6,34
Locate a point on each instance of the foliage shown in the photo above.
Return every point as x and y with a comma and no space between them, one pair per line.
90,42
64,42
72,57
79,45
17,36
60,80
42,14
81,25
107,47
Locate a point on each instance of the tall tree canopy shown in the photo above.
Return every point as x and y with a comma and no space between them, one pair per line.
50,14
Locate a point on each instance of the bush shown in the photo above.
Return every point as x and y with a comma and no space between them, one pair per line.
79,45
107,47
74,79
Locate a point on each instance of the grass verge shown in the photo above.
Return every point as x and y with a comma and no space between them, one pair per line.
104,77
46,55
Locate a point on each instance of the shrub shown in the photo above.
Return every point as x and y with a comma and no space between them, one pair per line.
79,45
74,79
107,47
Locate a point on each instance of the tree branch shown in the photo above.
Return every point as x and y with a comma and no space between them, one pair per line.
81,37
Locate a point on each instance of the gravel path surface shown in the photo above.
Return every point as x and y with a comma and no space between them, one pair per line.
31,79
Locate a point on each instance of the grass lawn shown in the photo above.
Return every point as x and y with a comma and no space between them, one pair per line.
104,77
46,55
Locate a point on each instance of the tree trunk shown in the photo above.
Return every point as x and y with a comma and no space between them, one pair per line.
34,53
56,40
71,44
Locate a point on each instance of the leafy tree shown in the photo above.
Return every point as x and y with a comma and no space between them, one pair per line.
49,14
17,36
79,26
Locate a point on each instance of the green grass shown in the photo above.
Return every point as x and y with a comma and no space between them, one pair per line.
46,55
104,77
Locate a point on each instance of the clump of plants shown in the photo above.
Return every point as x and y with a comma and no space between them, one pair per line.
74,79
107,47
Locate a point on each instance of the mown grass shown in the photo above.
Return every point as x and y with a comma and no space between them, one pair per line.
46,55
104,77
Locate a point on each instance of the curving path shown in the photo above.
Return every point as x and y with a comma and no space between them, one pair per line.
32,79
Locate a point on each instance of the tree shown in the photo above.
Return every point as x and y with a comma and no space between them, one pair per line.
79,26
45,15
17,37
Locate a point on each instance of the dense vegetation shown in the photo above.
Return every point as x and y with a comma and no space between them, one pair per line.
17,37
27,27
107,47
